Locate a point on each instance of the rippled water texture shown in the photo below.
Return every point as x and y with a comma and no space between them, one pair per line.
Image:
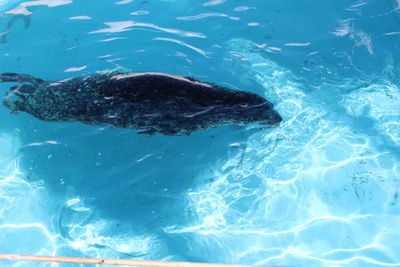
320,190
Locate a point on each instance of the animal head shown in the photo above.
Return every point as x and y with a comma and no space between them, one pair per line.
246,108
16,98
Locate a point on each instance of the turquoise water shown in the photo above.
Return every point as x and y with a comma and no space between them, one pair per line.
322,189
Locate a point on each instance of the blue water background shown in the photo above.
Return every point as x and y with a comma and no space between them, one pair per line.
320,190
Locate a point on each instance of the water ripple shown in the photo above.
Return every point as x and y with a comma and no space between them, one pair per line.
302,200
198,50
123,2
214,2
80,18
22,8
140,13
322,189
202,16
121,26
75,69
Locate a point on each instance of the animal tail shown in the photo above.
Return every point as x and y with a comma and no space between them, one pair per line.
21,78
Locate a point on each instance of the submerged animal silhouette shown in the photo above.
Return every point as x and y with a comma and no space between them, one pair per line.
150,102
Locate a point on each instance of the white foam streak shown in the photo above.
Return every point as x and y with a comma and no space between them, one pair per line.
182,43
124,2
202,16
214,2
113,27
297,44
75,69
49,142
80,18
121,26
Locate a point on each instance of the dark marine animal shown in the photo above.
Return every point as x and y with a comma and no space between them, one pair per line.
150,102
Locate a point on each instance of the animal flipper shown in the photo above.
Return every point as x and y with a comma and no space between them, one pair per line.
21,78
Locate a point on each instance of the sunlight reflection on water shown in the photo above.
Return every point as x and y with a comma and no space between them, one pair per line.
320,190
283,194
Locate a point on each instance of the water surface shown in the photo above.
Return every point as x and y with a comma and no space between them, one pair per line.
320,190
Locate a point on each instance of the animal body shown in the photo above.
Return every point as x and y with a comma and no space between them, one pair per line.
150,102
